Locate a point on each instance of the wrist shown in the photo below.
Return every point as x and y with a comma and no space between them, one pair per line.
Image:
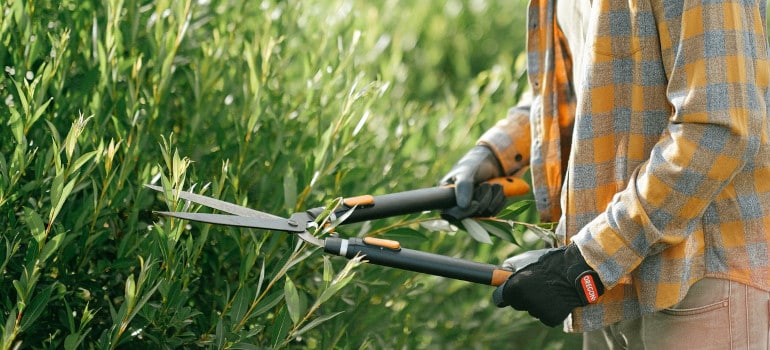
586,281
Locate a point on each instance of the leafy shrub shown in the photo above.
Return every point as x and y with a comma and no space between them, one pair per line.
276,105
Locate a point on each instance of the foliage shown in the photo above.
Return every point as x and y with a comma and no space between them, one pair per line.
276,105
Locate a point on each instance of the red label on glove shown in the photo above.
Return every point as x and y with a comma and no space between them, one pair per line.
589,288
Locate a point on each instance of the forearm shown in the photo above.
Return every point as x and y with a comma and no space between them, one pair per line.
663,203
510,139
716,124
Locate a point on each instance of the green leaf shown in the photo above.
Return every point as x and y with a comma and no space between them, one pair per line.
518,234
21,291
51,246
280,327
220,334
407,236
544,234
72,341
500,229
290,189
476,230
333,289
82,160
35,308
267,303
244,346
65,192
317,321
328,270
241,303
130,290
9,331
516,209
35,224
292,300
247,262
17,126
72,136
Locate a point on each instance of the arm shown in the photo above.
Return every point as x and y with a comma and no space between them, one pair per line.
510,138
503,150
717,77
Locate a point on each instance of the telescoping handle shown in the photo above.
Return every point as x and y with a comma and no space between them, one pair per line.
370,207
389,253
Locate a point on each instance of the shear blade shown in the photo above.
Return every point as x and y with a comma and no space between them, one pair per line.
278,224
220,205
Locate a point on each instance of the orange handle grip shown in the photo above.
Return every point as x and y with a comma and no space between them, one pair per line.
500,276
512,186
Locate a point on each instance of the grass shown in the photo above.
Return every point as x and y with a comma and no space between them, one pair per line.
276,105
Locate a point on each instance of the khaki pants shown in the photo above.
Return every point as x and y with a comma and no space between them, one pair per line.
715,314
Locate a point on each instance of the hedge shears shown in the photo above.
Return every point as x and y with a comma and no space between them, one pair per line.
377,251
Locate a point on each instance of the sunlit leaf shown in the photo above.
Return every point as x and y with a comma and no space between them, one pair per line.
34,224
61,198
317,321
500,229
476,230
51,246
328,270
438,225
292,300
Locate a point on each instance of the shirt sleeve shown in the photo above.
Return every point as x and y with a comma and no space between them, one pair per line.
510,138
715,59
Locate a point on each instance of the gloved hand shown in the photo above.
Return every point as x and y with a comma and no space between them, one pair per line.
488,200
478,165
550,288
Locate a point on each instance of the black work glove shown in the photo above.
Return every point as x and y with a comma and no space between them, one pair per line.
488,200
552,287
478,165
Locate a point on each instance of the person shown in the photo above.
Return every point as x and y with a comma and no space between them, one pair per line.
646,135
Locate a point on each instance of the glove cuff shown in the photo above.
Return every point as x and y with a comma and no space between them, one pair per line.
589,287
586,281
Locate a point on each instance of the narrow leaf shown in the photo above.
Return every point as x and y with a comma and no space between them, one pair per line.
220,334
290,189
63,198
83,160
267,304
35,308
243,299
328,270
130,290
476,231
333,289
317,321
35,224
500,229
51,246
292,300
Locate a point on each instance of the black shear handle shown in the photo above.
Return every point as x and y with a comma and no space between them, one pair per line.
389,253
394,204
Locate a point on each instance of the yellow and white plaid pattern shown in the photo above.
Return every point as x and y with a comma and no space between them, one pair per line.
669,173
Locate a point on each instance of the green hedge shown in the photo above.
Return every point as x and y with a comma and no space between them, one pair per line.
276,105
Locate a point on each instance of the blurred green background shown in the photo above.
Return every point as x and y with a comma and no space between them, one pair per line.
275,105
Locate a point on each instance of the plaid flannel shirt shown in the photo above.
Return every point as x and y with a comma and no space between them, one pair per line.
668,179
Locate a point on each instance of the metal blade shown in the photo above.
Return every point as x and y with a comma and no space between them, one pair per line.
278,224
219,204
